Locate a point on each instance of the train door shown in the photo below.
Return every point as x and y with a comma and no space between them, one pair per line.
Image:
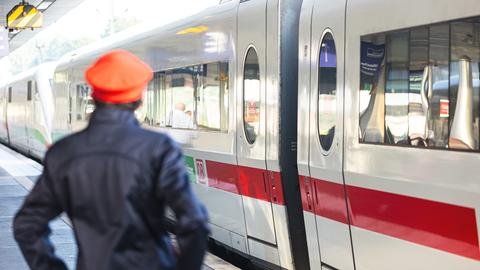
251,129
325,182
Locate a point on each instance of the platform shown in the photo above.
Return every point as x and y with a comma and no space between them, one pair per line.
17,176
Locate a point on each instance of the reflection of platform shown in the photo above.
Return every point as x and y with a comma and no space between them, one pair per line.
17,176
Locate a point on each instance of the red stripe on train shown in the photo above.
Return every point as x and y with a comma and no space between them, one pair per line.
438,225
442,226
323,198
251,182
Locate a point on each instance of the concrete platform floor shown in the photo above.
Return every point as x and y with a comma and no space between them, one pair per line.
17,176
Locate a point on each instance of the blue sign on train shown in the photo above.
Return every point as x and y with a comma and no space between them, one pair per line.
372,56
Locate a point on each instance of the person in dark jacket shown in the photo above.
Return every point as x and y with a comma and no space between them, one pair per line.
114,180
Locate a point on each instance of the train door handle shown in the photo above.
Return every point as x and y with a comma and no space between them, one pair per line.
308,192
273,188
265,183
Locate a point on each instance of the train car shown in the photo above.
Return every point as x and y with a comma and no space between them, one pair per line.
388,133
217,90
27,107
386,109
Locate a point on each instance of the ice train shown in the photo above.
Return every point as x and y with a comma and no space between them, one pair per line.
324,134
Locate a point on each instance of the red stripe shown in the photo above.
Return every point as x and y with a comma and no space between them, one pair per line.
323,198
447,227
442,226
330,201
222,176
251,182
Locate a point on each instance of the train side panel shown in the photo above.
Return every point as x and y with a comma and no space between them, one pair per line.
320,134
62,118
16,115
40,111
3,115
412,193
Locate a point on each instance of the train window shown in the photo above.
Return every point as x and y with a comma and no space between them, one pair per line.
180,87
212,97
327,90
9,94
251,96
194,97
29,90
84,105
421,87
154,102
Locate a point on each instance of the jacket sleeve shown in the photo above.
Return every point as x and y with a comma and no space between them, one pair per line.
192,221
31,228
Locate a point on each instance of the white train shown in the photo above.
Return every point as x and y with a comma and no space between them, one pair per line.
324,134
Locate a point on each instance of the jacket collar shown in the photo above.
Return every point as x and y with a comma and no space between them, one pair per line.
113,116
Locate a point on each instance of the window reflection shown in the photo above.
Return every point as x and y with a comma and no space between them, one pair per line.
181,84
194,97
154,101
212,97
419,93
327,90
425,91
84,105
372,89
464,84
396,89
251,96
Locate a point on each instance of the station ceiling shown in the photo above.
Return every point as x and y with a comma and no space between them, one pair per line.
52,11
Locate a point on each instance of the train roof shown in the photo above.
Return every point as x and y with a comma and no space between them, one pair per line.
142,34
29,73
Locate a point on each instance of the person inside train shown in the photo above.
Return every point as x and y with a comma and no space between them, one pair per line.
114,180
179,118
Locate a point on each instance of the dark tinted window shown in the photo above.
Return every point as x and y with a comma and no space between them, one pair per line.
29,90
251,96
327,90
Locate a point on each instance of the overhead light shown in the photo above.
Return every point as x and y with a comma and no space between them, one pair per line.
44,5
193,30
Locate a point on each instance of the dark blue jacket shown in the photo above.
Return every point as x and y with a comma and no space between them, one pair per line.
114,181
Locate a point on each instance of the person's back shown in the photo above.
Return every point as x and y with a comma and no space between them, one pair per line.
114,180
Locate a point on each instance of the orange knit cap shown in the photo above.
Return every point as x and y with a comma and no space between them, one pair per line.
118,77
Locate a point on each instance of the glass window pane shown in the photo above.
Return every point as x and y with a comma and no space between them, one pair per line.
396,89
181,84
212,110
152,112
417,95
84,105
438,83
429,87
464,85
251,96
327,90
372,89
